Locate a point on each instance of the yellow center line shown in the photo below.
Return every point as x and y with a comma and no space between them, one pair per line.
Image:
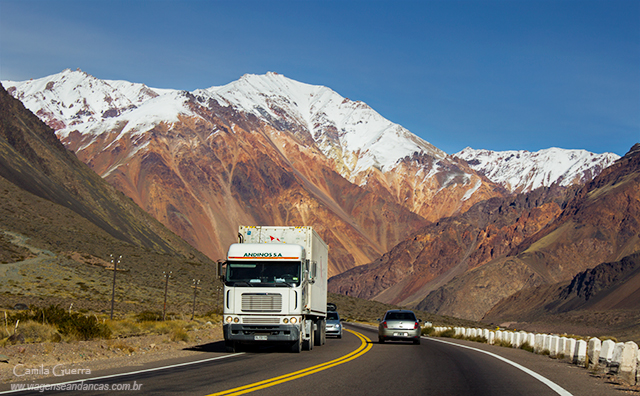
362,349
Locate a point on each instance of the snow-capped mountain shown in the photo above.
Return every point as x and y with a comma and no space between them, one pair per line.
363,147
261,150
523,171
349,132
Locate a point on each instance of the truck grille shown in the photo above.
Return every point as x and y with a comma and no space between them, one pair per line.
253,320
261,302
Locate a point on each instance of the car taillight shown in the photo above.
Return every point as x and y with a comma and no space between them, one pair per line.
416,325
384,324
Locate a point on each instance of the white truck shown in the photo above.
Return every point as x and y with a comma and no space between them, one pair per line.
275,288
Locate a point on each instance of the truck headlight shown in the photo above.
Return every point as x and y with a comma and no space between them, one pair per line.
294,320
236,320
229,319
285,320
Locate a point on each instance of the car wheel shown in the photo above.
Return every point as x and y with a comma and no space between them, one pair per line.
381,340
416,342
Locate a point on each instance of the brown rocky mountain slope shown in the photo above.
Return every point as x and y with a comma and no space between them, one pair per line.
451,246
600,223
33,159
59,223
606,297
204,186
261,150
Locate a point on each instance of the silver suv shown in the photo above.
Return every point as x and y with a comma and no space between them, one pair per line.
399,324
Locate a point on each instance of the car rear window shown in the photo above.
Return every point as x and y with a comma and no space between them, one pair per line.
400,316
332,315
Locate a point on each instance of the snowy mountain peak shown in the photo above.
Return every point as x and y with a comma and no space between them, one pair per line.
522,171
75,100
347,131
350,133
332,120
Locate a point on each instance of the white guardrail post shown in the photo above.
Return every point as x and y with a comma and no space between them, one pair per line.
569,349
580,355
593,352
629,362
606,354
619,359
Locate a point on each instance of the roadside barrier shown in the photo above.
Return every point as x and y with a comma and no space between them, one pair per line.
618,359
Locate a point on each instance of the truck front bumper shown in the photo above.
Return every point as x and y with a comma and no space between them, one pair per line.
248,333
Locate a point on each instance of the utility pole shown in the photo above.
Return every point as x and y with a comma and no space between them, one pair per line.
113,290
195,290
166,287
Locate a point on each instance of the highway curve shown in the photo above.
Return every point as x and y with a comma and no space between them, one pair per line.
354,365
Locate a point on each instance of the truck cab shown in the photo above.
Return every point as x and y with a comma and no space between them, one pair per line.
269,296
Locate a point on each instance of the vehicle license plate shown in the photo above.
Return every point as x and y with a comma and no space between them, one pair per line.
260,338
400,334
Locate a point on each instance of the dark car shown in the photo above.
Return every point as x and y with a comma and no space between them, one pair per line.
399,325
334,324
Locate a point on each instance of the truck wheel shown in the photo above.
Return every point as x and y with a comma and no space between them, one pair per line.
296,347
308,344
230,346
319,332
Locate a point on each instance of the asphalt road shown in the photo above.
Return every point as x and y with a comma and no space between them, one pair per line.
354,365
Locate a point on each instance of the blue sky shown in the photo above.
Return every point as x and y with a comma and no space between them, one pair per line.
500,75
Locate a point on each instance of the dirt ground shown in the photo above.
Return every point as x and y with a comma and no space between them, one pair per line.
28,362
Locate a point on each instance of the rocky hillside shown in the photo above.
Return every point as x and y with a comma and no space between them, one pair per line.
60,222
458,265
437,253
606,297
599,223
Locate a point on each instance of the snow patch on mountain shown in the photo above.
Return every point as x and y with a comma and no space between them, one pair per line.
358,138
522,171
350,132
332,120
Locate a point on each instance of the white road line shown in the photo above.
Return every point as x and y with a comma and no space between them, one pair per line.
129,373
555,387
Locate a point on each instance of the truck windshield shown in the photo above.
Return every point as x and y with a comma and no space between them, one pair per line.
264,273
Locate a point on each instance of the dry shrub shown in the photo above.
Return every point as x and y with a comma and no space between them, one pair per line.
179,334
448,333
503,343
526,346
124,327
71,325
121,345
38,332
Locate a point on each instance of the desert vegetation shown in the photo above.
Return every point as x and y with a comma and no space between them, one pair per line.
57,324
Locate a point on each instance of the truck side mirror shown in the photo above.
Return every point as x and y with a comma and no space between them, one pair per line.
220,269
